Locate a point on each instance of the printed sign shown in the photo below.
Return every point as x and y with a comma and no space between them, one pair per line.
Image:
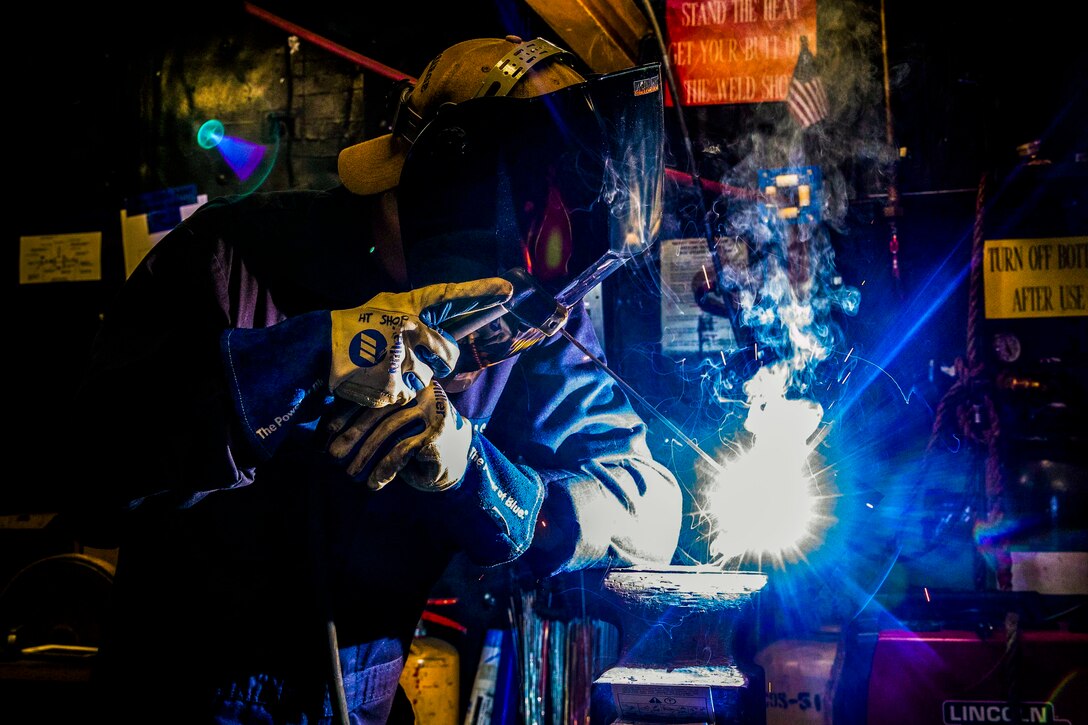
1035,277
686,329
60,258
737,51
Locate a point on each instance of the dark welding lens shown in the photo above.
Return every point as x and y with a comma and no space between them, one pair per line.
492,168
555,192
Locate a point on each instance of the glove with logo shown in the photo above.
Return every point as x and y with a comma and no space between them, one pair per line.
390,347
424,441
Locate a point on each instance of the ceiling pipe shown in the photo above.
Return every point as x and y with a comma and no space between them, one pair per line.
360,60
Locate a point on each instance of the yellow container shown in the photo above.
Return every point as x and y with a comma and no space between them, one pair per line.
431,679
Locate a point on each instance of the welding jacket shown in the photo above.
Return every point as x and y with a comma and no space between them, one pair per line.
232,559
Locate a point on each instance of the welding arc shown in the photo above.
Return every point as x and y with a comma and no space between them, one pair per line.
634,394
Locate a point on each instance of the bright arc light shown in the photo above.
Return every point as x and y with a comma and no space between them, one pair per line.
764,502
760,506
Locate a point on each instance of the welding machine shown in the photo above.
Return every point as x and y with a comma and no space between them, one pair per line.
957,677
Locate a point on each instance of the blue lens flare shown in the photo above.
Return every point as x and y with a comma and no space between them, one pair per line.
245,158
242,156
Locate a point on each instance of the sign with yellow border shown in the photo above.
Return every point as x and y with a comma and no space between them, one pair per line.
1035,277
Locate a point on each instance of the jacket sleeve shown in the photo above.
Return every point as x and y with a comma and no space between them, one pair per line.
165,427
608,501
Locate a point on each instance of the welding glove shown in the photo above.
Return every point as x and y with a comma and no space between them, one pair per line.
491,503
280,377
425,441
391,347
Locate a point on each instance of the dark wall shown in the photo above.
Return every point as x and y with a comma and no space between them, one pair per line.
109,105
108,114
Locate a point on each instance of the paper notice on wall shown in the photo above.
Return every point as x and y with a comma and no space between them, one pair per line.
687,329
60,258
186,210
137,239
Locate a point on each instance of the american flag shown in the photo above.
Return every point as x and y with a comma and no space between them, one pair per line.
806,97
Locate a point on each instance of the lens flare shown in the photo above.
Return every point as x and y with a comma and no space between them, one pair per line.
242,156
210,134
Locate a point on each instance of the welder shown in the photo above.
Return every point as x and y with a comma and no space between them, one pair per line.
288,446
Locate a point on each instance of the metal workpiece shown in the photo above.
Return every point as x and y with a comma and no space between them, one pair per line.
677,663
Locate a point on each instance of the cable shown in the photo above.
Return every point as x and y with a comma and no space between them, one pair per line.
670,81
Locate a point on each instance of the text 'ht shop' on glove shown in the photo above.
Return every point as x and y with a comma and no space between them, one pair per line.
389,348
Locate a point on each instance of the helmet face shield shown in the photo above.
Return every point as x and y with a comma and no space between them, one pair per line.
552,184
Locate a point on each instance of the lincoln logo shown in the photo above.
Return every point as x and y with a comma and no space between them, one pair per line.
957,712
367,348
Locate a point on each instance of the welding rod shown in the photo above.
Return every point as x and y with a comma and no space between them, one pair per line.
634,394
538,309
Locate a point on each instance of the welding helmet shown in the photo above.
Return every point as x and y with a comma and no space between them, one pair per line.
553,192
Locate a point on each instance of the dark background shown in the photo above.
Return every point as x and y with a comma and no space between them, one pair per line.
106,106
109,104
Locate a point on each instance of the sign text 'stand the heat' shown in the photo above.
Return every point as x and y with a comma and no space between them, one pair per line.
737,51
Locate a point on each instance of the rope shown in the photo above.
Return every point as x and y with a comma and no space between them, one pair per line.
966,410
976,276
995,485
1012,659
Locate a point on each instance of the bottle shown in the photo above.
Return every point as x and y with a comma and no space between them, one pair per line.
484,688
431,679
